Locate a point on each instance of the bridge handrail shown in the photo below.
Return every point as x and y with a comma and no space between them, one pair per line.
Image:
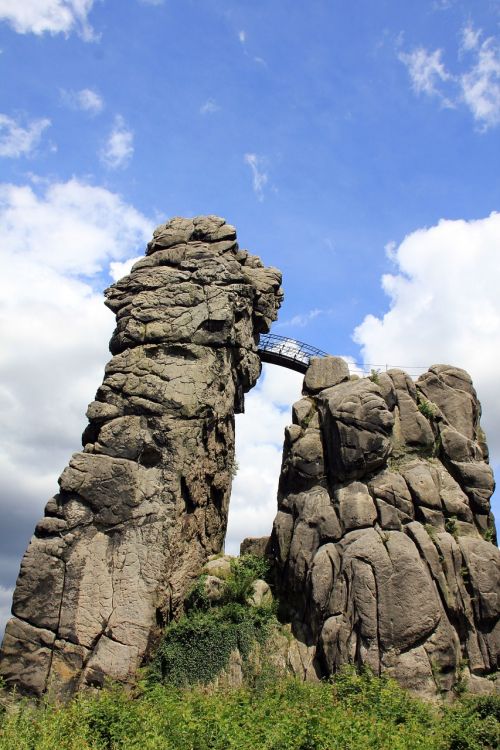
287,351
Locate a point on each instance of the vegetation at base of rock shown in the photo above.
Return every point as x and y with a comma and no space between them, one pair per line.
353,711
196,649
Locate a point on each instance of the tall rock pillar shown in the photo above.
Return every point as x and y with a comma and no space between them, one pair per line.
145,503
383,537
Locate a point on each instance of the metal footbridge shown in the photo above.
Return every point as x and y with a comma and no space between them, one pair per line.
287,352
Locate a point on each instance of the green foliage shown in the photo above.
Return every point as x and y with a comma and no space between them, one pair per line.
197,647
352,712
428,408
197,597
374,375
472,723
489,534
450,526
460,685
244,571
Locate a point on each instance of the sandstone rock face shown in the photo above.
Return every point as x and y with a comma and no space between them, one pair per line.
383,540
145,503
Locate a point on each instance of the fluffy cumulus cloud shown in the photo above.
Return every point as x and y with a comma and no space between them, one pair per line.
18,140
119,147
444,308
56,244
475,83
259,445
48,16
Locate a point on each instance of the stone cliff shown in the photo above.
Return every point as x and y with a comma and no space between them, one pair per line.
383,538
383,544
145,503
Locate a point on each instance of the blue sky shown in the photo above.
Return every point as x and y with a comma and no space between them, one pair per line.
354,145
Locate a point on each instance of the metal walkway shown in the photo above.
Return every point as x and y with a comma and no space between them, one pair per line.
286,352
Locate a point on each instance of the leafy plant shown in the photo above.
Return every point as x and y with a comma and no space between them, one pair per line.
244,571
428,408
374,375
450,526
197,648
352,710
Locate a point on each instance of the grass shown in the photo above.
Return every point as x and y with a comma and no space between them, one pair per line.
352,712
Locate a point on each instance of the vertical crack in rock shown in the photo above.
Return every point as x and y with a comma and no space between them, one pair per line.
145,503
398,471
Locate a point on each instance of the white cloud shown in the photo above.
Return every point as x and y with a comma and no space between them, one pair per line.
152,2
259,176
242,36
301,320
481,83
87,100
119,147
426,70
51,16
444,308
477,86
209,107
55,329
119,269
470,37
16,140
259,447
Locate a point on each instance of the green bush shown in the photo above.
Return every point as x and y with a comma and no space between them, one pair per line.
352,712
244,571
197,647
428,408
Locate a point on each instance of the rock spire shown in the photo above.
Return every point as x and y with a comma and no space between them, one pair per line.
383,539
145,503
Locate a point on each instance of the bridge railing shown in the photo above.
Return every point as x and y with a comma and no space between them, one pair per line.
281,350
296,355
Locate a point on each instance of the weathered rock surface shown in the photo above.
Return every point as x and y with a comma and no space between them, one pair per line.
145,503
383,540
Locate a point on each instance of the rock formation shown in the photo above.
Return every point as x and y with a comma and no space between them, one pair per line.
383,536
145,503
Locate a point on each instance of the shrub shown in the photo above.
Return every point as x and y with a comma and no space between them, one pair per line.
352,712
428,408
197,648
244,571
